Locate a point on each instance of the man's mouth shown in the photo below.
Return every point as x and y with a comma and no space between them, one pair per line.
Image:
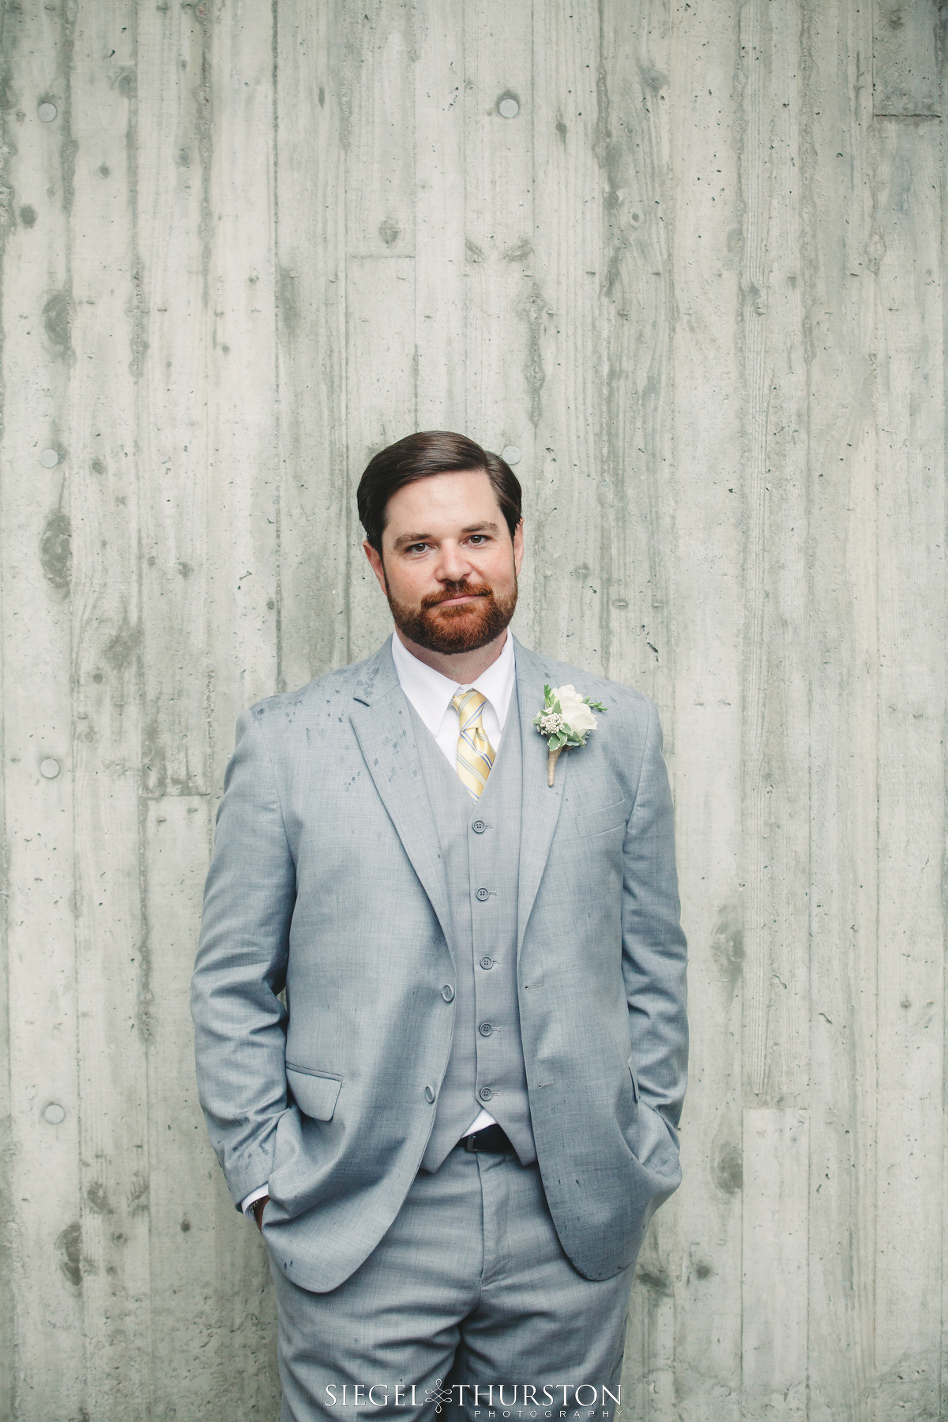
457,599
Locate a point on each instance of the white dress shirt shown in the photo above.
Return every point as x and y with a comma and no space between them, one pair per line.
430,694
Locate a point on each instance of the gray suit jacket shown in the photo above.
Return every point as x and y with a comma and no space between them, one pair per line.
326,880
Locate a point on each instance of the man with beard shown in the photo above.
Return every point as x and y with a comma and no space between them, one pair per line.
454,1131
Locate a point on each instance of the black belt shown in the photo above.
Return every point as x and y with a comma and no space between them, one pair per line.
492,1140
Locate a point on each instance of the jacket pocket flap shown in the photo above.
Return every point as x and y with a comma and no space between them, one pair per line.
314,1093
606,817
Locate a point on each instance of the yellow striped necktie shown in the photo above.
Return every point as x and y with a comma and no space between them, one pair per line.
475,752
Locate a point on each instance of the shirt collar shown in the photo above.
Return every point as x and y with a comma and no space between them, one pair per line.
430,693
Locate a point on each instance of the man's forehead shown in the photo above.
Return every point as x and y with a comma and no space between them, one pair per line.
458,499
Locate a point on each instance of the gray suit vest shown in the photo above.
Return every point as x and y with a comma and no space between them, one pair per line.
480,847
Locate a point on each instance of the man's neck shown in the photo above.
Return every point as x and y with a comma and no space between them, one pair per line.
460,667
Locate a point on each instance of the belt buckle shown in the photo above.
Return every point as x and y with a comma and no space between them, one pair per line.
477,1144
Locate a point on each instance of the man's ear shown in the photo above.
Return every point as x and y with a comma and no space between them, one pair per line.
518,547
375,562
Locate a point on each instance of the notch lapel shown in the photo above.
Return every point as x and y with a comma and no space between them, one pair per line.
541,804
382,725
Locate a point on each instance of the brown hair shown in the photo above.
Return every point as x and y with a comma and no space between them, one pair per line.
420,455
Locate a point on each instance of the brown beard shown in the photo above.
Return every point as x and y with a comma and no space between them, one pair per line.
454,629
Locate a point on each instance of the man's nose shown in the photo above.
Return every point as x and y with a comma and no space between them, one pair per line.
453,565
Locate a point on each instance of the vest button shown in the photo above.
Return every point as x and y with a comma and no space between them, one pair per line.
478,827
482,894
485,1029
429,1094
487,962
447,992
485,1093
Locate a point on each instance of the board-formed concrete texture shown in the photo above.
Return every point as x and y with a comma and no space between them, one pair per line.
684,260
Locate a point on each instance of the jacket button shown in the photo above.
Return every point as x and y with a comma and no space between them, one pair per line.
478,827
485,1029
429,1094
485,1093
487,962
447,992
482,894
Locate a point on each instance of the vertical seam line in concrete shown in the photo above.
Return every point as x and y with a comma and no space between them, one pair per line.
277,414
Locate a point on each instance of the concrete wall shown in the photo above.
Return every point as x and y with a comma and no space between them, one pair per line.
695,278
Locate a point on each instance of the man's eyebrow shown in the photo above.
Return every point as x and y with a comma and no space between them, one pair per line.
407,539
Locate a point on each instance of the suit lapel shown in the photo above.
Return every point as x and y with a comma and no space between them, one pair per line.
382,725
541,804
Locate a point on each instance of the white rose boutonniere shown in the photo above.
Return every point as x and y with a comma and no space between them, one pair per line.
566,720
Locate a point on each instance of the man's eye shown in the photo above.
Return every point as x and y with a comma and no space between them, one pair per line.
481,536
414,547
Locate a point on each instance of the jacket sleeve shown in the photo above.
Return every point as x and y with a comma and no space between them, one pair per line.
653,944
239,1019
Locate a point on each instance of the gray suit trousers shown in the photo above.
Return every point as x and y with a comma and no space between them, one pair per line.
468,1288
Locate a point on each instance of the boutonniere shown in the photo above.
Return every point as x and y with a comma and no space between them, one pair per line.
566,720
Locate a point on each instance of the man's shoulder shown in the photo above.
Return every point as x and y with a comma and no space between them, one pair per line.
614,695
325,697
